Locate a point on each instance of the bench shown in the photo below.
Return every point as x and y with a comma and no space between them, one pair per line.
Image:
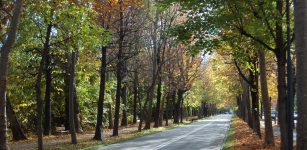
194,119
61,130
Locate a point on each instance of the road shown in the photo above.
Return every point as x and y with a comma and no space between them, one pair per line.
205,134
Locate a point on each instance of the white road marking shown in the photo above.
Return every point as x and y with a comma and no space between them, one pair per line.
179,137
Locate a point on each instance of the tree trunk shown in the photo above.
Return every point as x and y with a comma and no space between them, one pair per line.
161,114
167,108
269,138
178,106
142,113
47,125
282,90
99,124
77,114
119,69
282,98
45,58
18,133
110,116
300,11
39,104
124,121
255,102
159,94
66,93
71,99
246,96
135,96
149,99
4,57
155,71
181,111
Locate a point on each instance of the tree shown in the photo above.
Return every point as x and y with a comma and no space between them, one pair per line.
300,13
268,138
72,63
5,50
99,124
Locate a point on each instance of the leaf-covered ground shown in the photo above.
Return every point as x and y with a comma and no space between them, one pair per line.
245,139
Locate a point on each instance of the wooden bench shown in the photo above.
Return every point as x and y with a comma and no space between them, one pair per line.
194,119
61,130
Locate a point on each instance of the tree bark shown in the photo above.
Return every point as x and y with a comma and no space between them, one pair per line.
4,57
124,121
158,105
17,131
99,124
269,138
71,99
255,101
181,111
77,114
110,116
39,104
178,106
66,93
155,71
300,12
162,108
281,79
119,69
47,125
167,107
135,96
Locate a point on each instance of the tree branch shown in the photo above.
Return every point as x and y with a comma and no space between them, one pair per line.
241,73
243,32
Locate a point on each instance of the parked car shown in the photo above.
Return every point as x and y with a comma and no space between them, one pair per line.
295,115
274,114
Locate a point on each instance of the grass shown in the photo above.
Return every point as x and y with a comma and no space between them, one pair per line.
229,144
90,144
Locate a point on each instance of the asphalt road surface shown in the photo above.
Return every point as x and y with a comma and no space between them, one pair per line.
205,134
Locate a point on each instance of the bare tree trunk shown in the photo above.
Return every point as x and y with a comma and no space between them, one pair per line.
167,107
178,106
47,125
66,93
151,89
18,133
255,101
99,124
71,99
248,104
77,114
119,69
300,12
281,69
110,116
135,96
5,50
142,113
269,138
161,114
158,105
124,121
39,104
